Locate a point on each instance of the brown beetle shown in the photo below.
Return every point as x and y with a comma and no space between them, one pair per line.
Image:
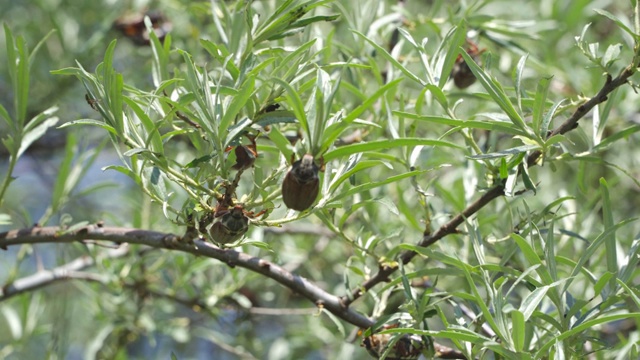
406,347
133,27
229,225
301,184
461,73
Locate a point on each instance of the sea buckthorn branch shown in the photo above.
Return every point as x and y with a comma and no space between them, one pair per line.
159,240
69,271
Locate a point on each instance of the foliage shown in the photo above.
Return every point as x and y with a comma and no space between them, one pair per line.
435,215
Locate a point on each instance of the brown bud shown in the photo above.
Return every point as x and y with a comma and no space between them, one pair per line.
229,226
245,157
301,184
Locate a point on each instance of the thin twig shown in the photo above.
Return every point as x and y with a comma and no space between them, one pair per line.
282,312
68,271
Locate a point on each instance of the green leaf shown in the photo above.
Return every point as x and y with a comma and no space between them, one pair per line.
196,86
295,102
629,263
544,349
333,132
611,55
236,131
275,117
504,170
350,171
336,321
610,239
371,185
437,93
91,122
623,134
507,152
278,22
631,292
136,151
153,139
544,126
500,126
296,56
518,79
5,115
539,104
18,66
602,281
526,179
237,104
124,170
518,330
36,133
531,302
382,51
316,108
281,142
382,145
589,252
533,258
496,92
620,24
39,45
480,302
219,52
159,69
314,19
14,324
454,46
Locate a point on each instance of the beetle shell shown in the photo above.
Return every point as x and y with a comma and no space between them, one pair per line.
301,184
462,75
407,347
230,226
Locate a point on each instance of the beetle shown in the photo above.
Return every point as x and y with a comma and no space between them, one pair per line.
461,73
301,184
230,222
134,28
406,347
229,225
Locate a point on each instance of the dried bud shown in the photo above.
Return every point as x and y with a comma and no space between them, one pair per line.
229,226
245,157
301,184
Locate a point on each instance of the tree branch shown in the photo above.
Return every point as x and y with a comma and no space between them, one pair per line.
69,271
53,234
532,160
155,239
